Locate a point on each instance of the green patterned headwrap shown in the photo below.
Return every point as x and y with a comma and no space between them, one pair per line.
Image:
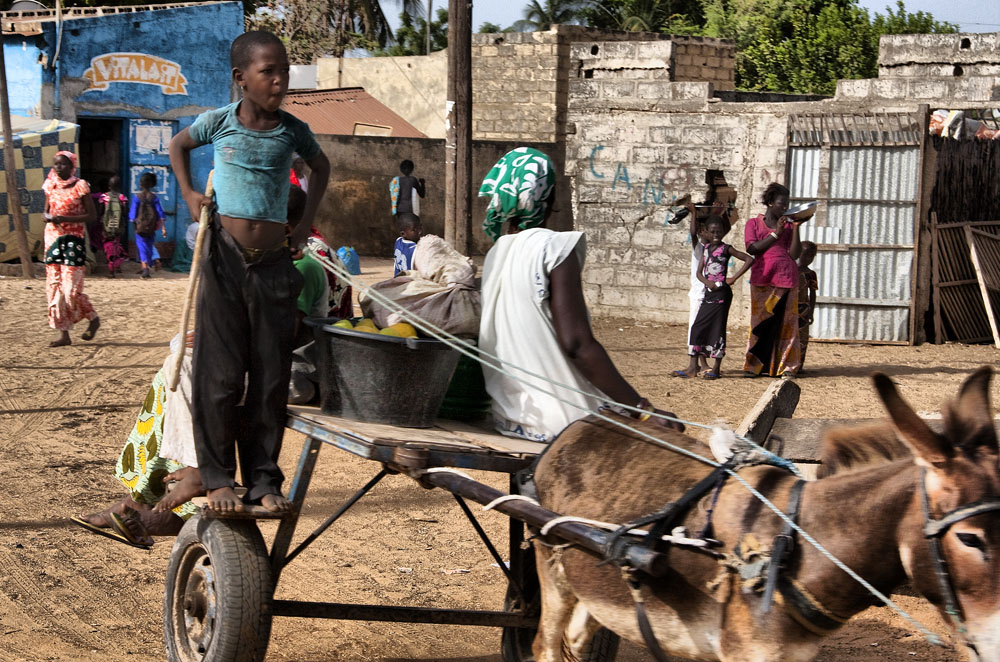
518,187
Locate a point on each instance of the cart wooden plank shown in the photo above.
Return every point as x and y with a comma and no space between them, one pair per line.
446,435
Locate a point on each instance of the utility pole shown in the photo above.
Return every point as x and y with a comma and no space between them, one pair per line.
10,169
427,36
458,124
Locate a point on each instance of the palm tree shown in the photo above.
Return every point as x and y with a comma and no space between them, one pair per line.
362,23
539,17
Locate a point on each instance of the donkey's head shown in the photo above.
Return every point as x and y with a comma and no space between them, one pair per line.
959,470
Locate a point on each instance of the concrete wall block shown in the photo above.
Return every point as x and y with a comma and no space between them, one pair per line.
617,89
928,89
628,276
648,238
603,275
653,90
661,50
691,90
853,89
587,193
620,49
614,297
654,155
617,237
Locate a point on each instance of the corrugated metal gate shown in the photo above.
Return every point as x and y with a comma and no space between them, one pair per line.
865,171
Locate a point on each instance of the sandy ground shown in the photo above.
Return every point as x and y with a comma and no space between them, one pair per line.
64,414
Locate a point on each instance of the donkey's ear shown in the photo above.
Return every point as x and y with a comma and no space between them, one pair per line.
929,448
969,418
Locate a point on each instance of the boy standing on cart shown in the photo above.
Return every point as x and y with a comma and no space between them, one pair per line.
247,294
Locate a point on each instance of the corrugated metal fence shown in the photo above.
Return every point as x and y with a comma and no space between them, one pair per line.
865,171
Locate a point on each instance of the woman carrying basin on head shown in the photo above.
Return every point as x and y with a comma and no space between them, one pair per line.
534,314
773,239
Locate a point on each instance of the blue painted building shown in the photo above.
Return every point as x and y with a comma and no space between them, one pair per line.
131,78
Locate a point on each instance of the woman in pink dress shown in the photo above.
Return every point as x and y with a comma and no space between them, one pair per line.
68,208
773,239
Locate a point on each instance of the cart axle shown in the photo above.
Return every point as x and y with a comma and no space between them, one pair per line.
348,612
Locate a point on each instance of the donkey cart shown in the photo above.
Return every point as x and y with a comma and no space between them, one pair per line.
218,603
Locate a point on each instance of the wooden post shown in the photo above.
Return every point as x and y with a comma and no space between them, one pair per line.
458,124
10,169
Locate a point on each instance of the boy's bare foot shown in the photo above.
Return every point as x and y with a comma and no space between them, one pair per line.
276,503
187,485
224,500
92,328
155,523
62,340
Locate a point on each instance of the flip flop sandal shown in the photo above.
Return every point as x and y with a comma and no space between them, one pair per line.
711,374
681,374
120,525
107,533
88,334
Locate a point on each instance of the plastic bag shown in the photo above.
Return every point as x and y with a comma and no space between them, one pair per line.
349,257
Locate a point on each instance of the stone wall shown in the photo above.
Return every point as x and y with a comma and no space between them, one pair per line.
356,209
705,59
939,55
641,146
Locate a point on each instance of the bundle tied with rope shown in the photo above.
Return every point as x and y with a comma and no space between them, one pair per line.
192,288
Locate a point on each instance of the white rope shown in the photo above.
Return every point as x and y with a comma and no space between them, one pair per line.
676,537
510,497
444,470
466,348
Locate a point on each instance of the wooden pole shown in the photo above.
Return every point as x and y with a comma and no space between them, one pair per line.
427,26
458,123
10,169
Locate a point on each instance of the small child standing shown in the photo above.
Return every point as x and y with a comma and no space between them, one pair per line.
406,191
697,292
249,286
808,285
708,333
147,216
409,234
113,205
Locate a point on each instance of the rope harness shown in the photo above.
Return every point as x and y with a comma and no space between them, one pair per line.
934,529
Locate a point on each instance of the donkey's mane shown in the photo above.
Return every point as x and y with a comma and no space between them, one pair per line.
850,448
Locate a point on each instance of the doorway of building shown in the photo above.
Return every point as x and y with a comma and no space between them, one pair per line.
100,151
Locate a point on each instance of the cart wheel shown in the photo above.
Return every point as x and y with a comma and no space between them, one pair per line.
217,602
515,643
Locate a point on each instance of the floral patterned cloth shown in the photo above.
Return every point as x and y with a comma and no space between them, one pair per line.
518,185
66,250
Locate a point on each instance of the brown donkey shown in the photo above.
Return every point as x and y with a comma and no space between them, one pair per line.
869,512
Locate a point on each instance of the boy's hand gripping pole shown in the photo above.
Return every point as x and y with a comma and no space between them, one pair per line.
203,222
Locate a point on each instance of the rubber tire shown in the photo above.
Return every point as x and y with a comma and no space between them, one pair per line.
223,567
515,643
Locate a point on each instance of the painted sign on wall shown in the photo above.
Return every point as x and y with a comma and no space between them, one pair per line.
135,68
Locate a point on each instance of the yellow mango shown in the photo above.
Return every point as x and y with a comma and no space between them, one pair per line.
400,330
344,324
367,325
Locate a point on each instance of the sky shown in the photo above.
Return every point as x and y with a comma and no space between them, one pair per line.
970,15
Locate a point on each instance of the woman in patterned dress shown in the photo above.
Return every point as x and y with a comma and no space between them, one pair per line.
68,208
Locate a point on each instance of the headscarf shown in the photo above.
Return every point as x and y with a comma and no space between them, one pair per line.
518,187
52,180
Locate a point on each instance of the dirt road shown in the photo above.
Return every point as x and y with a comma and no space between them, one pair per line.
64,415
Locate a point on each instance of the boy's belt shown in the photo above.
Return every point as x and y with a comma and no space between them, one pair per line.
254,255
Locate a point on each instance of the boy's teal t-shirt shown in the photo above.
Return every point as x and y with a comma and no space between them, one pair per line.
252,168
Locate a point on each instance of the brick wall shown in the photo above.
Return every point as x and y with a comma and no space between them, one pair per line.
705,59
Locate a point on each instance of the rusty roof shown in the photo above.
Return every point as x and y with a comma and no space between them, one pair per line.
347,111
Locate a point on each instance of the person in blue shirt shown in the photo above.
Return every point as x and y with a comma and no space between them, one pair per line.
146,214
249,285
409,234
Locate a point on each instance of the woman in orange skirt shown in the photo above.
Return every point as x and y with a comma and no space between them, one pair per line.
68,208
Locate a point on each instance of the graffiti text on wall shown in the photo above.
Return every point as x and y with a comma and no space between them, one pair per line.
135,68
652,188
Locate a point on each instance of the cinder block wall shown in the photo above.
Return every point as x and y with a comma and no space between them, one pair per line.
939,55
639,146
705,59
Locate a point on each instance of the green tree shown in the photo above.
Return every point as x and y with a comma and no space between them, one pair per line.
805,46
493,28
540,15
665,16
411,36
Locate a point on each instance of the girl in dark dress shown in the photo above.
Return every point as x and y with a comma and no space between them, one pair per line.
708,333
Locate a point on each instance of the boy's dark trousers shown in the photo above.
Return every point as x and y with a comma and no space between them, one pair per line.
244,330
